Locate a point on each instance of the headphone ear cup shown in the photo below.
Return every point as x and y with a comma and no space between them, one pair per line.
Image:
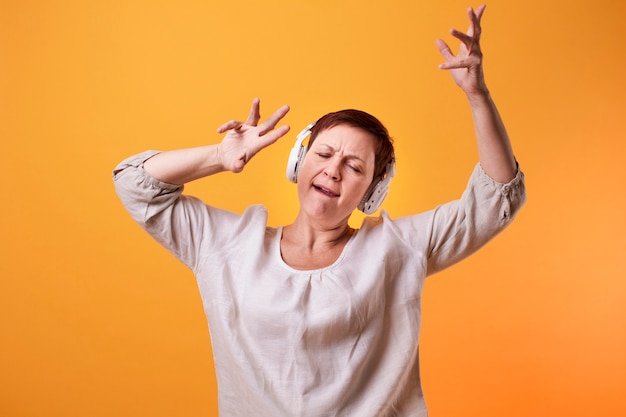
379,189
293,163
374,197
296,155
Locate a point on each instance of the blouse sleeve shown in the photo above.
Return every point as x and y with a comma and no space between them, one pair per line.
461,227
180,223
453,231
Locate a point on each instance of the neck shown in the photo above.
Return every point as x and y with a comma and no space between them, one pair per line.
311,237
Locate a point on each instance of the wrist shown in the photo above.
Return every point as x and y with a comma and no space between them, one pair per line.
213,159
478,96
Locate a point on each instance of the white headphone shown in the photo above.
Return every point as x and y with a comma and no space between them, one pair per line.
375,194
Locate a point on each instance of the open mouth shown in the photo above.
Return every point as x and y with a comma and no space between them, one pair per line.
325,191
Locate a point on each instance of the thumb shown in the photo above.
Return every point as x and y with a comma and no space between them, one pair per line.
239,163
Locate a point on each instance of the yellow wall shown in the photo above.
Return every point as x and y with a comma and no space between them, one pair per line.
97,320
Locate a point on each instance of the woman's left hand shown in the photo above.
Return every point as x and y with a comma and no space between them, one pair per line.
466,67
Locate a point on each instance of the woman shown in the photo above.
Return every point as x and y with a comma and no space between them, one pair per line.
316,318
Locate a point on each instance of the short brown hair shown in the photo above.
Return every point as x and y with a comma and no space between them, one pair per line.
366,122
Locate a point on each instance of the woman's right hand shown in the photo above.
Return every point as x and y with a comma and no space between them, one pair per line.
244,140
241,143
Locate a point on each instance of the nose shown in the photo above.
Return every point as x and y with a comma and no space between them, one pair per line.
332,170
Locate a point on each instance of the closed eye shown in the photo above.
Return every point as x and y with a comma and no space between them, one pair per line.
355,168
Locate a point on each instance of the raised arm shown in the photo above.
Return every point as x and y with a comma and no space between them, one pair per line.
494,148
241,143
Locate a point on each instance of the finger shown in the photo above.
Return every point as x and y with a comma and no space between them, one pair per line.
467,62
273,120
452,61
463,37
266,140
276,134
469,45
474,18
480,11
232,124
273,136
444,50
470,15
255,113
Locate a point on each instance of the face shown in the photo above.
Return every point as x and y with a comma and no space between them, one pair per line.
336,172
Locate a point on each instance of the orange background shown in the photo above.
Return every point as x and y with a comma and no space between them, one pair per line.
97,320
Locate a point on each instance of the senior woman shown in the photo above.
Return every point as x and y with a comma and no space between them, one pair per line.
316,318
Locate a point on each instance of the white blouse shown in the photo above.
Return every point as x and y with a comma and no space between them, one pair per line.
337,341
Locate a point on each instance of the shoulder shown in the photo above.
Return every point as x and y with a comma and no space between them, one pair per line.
241,229
403,231
253,217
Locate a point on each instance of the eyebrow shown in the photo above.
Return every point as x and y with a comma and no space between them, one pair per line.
349,156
